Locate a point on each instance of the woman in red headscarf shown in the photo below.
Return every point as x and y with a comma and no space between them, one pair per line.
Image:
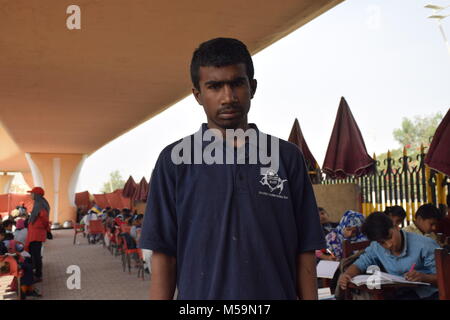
38,227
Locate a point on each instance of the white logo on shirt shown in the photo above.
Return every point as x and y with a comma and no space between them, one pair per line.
273,181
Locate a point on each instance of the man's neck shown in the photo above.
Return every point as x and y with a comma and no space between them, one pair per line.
399,250
237,143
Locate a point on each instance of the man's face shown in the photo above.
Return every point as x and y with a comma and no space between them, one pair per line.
394,240
396,220
323,216
427,225
225,94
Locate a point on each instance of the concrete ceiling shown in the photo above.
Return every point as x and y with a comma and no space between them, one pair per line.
72,91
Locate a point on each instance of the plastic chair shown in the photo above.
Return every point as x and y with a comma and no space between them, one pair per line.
126,255
95,227
78,228
14,270
442,258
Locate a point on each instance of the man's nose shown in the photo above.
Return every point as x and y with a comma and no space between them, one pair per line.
228,94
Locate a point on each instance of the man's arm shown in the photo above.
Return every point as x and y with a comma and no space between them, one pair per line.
306,276
347,276
164,273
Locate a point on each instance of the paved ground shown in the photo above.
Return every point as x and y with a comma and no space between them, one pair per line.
102,277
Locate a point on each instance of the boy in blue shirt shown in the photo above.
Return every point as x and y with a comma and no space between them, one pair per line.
397,251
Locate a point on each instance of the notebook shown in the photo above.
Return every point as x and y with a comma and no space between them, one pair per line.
326,269
382,278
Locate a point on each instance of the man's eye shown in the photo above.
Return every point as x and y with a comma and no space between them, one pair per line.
214,86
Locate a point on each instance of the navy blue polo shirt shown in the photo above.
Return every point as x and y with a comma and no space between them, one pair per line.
233,236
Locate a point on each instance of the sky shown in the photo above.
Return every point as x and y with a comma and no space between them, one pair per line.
384,56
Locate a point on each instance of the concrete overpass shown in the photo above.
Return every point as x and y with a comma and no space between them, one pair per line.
66,93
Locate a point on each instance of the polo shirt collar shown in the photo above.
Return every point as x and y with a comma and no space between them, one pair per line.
204,127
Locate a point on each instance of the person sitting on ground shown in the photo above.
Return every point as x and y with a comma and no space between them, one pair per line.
426,221
397,252
397,214
349,228
20,234
8,227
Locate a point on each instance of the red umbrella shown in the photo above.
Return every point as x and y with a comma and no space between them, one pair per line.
346,154
141,191
83,200
129,188
296,137
438,156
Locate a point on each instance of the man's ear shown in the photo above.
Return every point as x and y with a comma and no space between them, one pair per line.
253,85
198,95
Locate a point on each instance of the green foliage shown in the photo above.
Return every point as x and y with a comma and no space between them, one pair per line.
419,130
411,135
115,182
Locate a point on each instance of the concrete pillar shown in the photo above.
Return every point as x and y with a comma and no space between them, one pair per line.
28,177
57,174
5,183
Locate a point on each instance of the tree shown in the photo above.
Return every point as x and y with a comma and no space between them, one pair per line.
115,182
412,134
418,131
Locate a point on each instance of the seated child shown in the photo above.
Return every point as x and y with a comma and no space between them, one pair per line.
20,234
396,251
397,214
23,258
349,228
426,221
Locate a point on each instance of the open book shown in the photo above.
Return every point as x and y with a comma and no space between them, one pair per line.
326,269
382,278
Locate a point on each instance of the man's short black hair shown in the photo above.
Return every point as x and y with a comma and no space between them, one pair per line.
220,52
376,226
428,211
396,211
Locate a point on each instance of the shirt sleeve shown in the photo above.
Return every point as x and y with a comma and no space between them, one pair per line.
159,230
366,259
429,257
309,230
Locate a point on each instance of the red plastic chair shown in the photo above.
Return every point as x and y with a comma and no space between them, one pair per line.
95,227
15,271
126,255
78,228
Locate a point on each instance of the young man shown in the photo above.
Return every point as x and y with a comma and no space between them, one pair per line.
426,221
397,252
234,230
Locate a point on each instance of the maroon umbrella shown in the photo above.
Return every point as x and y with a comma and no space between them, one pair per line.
438,156
141,191
346,154
129,188
296,137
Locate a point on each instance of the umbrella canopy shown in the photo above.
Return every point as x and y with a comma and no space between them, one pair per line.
346,154
438,156
296,137
129,188
141,191
83,200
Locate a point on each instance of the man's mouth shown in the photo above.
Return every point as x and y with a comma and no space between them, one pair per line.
230,113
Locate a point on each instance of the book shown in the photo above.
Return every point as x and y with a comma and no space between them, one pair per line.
325,294
326,269
382,278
